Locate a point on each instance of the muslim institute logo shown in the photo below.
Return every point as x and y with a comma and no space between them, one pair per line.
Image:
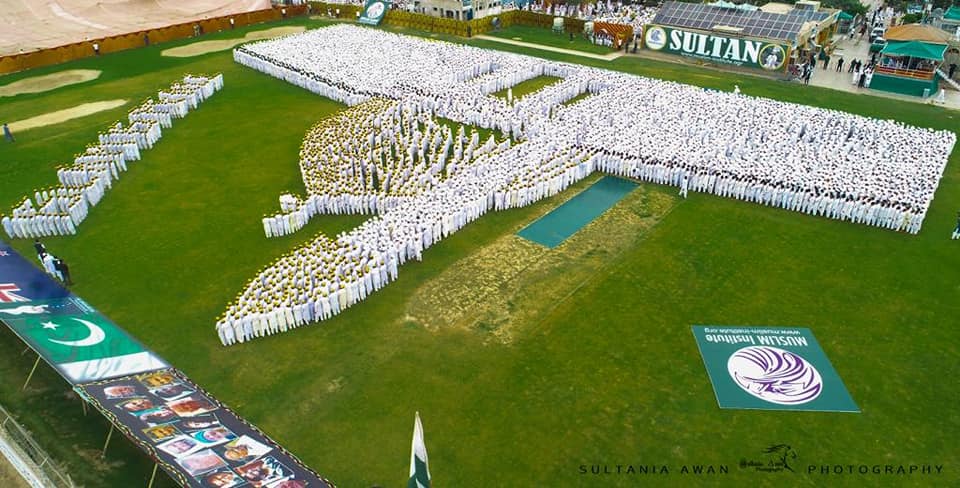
376,9
656,38
772,57
775,375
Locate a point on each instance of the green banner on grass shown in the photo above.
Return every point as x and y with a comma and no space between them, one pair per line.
771,368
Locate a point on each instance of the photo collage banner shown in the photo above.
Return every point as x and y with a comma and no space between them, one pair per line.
197,440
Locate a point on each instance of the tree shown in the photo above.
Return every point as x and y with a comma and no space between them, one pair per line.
849,6
910,19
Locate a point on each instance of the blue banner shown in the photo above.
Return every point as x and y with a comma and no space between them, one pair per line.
22,282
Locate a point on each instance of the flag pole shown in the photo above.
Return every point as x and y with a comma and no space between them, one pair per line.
35,364
154,475
105,444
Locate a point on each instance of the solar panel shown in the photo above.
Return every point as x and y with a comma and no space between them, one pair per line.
753,23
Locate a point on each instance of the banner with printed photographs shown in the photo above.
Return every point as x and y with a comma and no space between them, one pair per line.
193,437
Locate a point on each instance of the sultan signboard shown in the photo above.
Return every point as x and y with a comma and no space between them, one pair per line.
749,53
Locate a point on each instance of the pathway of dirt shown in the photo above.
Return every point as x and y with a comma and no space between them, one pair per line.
9,477
64,115
605,57
204,47
512,284
37,84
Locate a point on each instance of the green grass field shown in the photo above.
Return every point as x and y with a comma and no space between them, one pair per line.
577,98
547,37
525,87
524,363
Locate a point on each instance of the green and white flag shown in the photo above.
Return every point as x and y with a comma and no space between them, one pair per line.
419,468
85,347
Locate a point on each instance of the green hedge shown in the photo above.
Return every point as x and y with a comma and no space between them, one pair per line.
428,23
346,11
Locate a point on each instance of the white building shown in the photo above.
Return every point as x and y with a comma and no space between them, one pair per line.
458,9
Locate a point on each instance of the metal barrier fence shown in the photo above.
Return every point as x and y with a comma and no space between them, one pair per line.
28,454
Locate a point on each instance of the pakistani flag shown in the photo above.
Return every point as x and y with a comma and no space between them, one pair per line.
85,347
419,470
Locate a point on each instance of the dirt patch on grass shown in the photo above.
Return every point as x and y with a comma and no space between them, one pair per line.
512,284
482,281
64,115
37,84
204,47
9,477
335,385
95,460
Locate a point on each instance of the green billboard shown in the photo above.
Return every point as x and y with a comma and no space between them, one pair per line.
373,12
771,368
750,53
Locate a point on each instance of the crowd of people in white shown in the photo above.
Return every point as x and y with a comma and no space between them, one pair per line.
370,159
394,155
60,209
634,14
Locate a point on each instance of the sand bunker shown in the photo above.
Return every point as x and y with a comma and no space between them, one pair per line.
204,47
37,84
64,115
